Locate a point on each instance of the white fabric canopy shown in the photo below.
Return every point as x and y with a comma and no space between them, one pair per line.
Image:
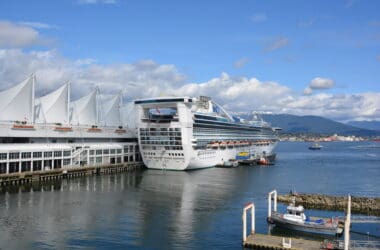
84,110
110,111
128,115
16,103
53,107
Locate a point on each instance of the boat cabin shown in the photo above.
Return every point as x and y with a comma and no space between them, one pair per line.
295,213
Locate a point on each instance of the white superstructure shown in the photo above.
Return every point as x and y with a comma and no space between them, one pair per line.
52,131
179,133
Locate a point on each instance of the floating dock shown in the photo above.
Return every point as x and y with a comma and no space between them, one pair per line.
262,241
265,241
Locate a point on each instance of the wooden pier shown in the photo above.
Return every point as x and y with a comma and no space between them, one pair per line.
264,241
65,173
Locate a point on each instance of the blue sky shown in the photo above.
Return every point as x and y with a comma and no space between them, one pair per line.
306,48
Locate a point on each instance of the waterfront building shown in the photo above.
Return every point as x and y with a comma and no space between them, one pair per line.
53,132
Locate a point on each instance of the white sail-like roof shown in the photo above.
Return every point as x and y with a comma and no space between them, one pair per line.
17,103
53,107
128,115
110,111
84,110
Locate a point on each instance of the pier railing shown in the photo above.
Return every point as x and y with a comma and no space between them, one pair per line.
246,208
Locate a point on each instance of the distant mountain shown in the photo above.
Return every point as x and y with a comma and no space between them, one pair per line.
311,124
373,125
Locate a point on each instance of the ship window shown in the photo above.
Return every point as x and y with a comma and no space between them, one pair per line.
14,155
106,151
112,151
57,153
118,151
99,152
298,213
98,159
3,156
37,154
68,153
92,152
48,154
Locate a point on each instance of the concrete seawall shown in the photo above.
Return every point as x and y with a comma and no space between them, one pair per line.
66,173
362,205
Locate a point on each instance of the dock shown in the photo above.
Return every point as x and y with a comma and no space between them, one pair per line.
65,173
262,241
266,241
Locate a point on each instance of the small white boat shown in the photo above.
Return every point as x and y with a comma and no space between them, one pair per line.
232,163
295,219
315,146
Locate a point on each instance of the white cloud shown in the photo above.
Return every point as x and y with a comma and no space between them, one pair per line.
241,62
259,17
308,91
363,106
147,78
276,44
321,83
15,35
84,62
141,79
238,93
37,25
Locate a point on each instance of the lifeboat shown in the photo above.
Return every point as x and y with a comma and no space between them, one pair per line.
223,145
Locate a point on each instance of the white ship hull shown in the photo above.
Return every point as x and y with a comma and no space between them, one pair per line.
189,139
198,159
210,158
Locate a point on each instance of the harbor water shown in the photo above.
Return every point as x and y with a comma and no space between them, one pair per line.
155,209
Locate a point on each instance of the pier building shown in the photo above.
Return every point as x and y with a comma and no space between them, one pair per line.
51,132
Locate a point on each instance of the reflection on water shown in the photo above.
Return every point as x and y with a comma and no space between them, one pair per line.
166,209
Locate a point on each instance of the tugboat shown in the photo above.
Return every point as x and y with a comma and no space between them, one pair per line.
315,146
295,219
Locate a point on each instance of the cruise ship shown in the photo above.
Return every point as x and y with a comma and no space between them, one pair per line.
183,133
52,132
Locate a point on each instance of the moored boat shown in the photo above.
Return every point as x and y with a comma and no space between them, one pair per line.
231,163
315,146
295,219
184,133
